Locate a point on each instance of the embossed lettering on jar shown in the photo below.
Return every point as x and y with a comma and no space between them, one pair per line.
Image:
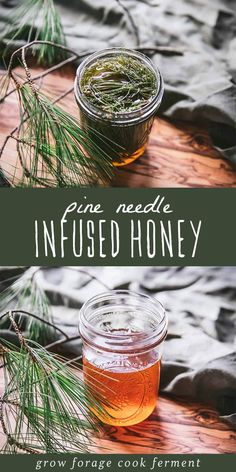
118,92
123,334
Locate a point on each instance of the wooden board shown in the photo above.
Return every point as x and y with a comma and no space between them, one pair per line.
178,155
174,427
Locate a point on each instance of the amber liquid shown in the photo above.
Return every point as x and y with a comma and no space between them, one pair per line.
132,393
123,144
126,159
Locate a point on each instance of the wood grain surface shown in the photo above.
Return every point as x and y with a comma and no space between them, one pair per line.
175,427
178,155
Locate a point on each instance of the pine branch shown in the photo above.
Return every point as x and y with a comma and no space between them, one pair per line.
26,294
52,148
46,406
32,20
31,307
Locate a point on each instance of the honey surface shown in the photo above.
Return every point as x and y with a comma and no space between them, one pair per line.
118,84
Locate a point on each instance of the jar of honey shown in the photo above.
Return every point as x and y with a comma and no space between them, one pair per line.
118,92
122,335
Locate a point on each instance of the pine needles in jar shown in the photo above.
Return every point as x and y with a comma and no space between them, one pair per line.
118,84
118,92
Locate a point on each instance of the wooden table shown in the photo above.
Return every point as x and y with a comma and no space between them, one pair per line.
174,427
178,155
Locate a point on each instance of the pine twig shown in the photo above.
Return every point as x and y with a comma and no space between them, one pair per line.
38,318
165,50
131,20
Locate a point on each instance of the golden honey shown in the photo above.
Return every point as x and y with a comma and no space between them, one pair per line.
131,394
122,336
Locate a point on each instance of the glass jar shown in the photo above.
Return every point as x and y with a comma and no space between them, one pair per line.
122,135
122,336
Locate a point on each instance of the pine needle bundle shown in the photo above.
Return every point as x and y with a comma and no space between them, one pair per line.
4,85
46,406
36,20
118,84
53,149
26,294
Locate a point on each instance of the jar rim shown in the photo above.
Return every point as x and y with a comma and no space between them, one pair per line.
120,342
128,117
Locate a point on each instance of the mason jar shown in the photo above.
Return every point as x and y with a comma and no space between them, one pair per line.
123,136
122,340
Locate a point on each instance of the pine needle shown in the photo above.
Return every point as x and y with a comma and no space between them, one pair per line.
54,151
46,406
26,294
118,84
36,20
4,86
